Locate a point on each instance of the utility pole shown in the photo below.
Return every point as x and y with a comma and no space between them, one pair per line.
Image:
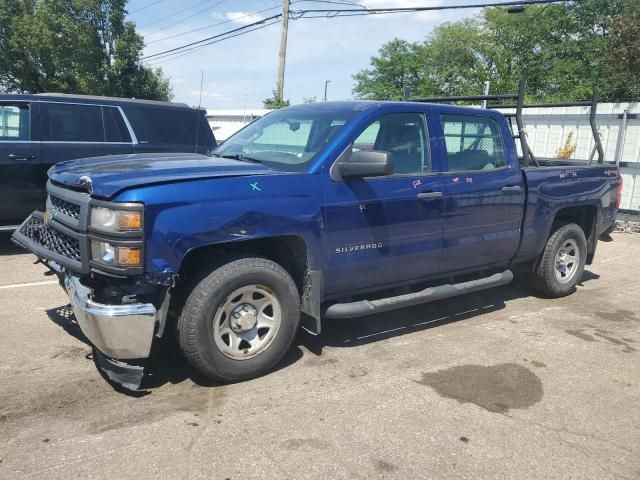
326,82
282,55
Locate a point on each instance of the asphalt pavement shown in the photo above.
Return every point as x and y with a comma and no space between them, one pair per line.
498,384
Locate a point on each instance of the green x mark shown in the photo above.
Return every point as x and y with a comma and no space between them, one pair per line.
255,187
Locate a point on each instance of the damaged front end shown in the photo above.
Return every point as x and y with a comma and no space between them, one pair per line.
119,309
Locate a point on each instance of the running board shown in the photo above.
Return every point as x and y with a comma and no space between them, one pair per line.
431,294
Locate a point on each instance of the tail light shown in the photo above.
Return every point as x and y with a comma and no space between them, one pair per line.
619,191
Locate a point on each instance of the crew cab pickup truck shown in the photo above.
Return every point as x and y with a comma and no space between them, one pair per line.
325,210
38,131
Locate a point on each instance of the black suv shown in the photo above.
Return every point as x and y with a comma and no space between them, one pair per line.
37,131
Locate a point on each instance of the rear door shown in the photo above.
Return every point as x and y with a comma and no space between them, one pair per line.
386,230
21,186
484,191
74,130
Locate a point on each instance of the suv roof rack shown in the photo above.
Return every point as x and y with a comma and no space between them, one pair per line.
527,155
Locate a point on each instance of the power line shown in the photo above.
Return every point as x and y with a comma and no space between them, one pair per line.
349,12
331,13
182,19
150,4
174,55
181,47
213,25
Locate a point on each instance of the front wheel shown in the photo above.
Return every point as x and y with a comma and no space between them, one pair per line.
562,262
240,320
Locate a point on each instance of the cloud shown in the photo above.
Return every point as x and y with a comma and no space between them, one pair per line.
244,18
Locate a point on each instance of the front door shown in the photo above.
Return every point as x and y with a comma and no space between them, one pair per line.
21,188
385,230
484,193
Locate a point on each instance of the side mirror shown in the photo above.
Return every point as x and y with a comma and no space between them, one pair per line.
365,163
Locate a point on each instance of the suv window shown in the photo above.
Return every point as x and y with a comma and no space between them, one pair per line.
473,143
404,136
75,123
205,133
163,126
115,130
14,122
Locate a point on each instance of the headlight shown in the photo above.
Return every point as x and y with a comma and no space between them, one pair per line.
114,220
115,255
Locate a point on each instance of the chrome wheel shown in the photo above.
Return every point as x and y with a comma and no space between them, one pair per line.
567,261
247,322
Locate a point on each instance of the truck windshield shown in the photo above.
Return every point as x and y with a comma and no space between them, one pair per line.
286,139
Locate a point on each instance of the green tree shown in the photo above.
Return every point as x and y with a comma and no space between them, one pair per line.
564,51
74,46
275,101
624,51
395,73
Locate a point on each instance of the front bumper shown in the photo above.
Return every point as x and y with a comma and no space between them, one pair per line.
121,332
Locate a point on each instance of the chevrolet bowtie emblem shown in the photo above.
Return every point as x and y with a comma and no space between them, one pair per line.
87,183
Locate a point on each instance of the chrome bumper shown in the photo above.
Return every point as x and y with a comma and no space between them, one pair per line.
119,331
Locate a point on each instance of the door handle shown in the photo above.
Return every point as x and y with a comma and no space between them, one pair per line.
512,188
430,195
17,156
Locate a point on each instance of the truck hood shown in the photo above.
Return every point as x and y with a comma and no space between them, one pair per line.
106,176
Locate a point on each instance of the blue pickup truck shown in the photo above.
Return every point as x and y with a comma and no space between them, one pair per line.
325,210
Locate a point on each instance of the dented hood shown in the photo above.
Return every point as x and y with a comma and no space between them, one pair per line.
107,176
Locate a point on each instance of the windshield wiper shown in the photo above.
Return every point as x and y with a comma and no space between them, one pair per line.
242,158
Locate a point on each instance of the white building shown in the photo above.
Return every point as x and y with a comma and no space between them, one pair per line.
225,123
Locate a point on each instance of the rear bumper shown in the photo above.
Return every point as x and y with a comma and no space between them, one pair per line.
119,331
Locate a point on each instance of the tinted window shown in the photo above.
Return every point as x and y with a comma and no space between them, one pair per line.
75,123
205,134
473,143
404,136
163,126
115,130
287,139
14,122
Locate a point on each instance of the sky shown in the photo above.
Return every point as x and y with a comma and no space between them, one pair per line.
240,73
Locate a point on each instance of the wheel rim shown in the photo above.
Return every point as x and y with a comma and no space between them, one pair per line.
247,322
567,261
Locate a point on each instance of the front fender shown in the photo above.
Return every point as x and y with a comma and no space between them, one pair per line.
182,216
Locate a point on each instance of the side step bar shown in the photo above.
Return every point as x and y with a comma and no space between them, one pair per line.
431,294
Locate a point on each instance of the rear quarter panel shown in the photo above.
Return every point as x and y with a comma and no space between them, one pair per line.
550,189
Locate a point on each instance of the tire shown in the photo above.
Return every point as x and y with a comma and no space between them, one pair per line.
215,331
555,275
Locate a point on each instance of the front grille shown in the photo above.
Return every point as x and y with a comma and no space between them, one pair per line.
66,208
53,240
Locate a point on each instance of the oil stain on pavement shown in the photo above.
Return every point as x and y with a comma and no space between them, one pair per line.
605,335
496,388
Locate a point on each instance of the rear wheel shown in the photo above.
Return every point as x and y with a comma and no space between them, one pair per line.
240,320
562,262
